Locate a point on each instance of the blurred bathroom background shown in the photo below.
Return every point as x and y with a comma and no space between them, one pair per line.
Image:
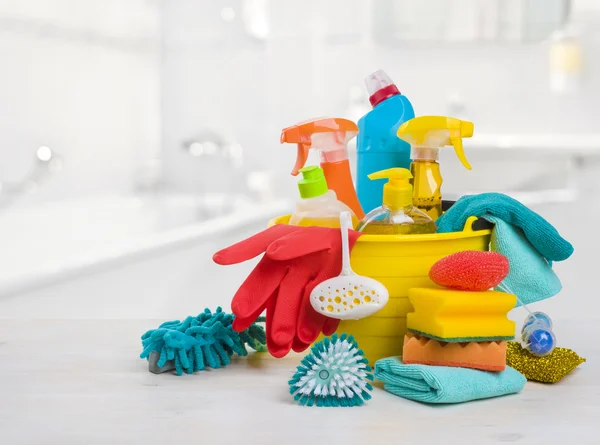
137,137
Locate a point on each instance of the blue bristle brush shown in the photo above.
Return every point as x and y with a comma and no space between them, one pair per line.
196,343
334,373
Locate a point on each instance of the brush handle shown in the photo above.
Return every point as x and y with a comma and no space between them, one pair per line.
345,225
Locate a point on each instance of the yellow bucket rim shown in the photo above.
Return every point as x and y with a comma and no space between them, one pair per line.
467,232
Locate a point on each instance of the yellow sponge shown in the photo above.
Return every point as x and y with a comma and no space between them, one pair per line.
461,316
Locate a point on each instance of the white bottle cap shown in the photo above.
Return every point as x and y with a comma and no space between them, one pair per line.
378,81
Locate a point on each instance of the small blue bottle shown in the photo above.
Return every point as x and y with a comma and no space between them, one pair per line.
378,146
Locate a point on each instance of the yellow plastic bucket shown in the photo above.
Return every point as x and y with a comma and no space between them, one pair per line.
399,262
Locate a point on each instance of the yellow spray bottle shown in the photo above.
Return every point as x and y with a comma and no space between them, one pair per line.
396,215
426,135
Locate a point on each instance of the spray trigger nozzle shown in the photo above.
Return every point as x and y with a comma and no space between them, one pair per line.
427,134
329,135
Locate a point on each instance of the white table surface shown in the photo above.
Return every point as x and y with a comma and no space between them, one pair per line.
81,382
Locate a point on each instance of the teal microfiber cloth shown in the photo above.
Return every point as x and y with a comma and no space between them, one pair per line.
531,277
207,340
529,242
539,232
443,384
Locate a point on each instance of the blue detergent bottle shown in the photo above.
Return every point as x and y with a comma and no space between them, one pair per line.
378,147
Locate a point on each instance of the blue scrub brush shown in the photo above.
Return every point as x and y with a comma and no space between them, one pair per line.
334,373
196,343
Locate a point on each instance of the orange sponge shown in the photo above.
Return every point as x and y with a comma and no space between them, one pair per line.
487,355
470,270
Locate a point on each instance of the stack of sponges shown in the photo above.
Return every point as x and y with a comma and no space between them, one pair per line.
464,324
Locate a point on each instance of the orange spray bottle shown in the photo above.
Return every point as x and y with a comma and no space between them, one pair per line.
330,136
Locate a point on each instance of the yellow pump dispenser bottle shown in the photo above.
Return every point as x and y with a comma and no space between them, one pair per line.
426,135
396,216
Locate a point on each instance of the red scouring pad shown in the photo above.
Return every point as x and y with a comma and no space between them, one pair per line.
470,270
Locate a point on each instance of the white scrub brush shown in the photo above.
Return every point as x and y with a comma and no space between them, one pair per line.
334,373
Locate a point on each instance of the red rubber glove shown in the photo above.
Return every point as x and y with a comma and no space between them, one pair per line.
296,260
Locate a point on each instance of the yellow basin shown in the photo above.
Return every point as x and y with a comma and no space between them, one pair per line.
399,262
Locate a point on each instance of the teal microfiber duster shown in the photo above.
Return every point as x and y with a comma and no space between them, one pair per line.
196,343
334,373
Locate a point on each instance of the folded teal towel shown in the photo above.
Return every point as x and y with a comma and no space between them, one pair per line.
531,278
540,233
528,241
442,384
